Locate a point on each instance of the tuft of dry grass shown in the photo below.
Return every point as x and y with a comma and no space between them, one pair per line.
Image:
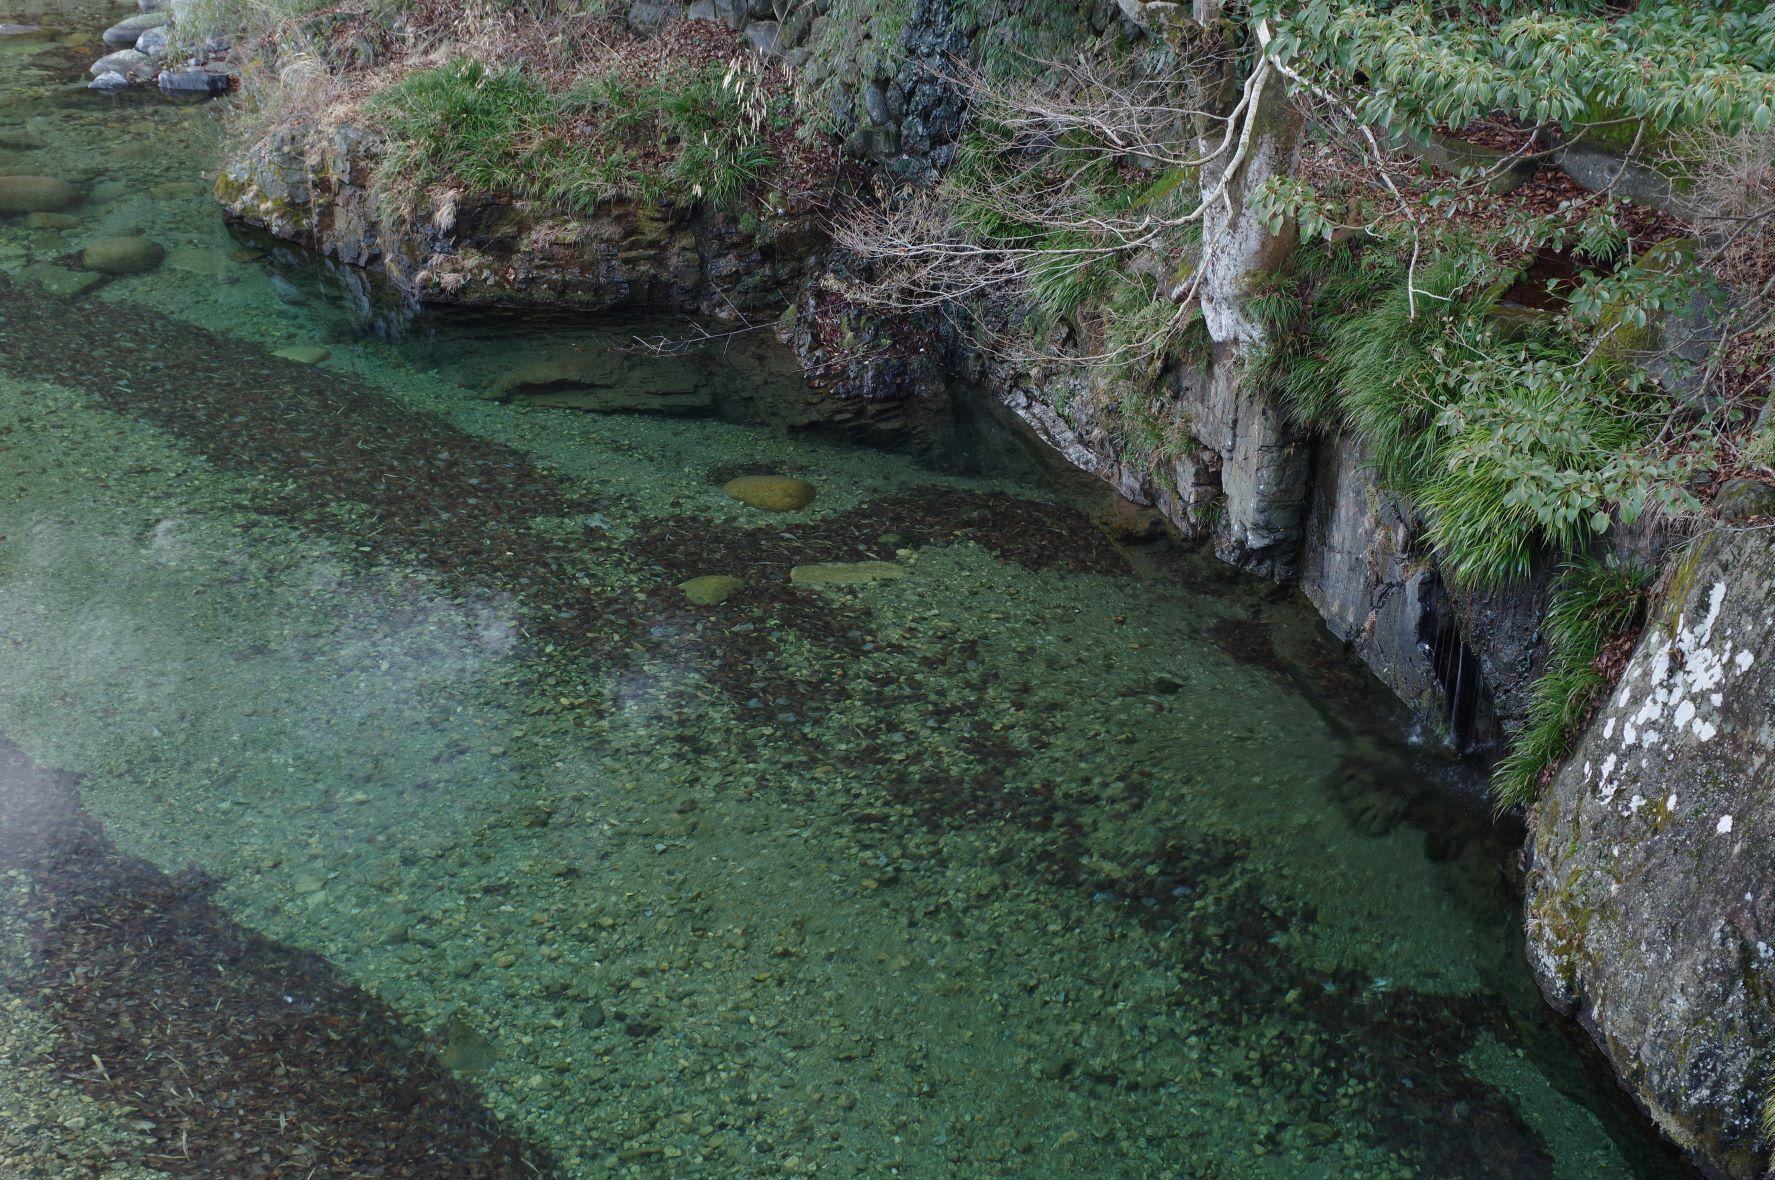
1733,192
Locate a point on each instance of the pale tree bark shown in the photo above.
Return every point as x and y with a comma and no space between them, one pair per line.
1263,460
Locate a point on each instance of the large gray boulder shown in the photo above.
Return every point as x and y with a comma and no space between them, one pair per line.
648,17
1651,893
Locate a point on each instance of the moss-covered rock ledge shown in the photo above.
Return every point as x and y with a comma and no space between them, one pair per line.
1651,893
667,174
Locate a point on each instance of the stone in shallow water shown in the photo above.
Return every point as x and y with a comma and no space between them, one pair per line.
304,354
577,371
1127,522
122,256
464,1049
60,281
130,29
106,191
711,589
199,260
154,43
845,573
193,81
619,401
772,493
137,67
35,194
52,221
178,190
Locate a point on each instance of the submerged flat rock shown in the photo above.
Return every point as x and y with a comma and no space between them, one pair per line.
845,573
618,401
58,280
711,589
600,382
304,354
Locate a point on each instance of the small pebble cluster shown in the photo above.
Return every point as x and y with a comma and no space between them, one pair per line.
148,48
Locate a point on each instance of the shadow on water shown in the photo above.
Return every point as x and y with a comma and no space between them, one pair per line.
241,1057
638,362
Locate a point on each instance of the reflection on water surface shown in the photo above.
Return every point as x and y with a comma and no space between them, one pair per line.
374,797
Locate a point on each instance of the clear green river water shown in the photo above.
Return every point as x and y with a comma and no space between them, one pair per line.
373,801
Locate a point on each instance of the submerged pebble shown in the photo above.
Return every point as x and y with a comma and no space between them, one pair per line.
771,493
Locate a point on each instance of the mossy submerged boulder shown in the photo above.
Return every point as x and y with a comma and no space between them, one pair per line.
711,589
35,194
123,256
771,493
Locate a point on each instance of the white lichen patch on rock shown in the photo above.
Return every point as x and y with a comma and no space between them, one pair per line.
1671,695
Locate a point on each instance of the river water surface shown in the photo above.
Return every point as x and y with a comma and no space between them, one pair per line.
373,802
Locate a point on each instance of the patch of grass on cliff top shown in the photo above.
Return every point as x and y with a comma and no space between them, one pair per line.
665,122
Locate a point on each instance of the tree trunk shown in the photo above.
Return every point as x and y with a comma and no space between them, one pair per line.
1263,458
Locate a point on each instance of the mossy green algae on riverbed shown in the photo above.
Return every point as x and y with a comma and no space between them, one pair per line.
1038,859
839,939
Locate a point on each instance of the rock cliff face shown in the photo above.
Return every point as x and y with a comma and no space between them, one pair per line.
1651,890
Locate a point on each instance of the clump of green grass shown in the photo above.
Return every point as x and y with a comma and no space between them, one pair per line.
1597,601
1761,449
688,135
1512,441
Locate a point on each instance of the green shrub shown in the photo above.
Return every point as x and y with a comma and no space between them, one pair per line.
1596,601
